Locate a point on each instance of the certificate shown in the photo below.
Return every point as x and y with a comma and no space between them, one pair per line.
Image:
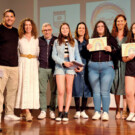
76,65
98,43
127,49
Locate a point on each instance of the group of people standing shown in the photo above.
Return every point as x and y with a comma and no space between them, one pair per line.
50,58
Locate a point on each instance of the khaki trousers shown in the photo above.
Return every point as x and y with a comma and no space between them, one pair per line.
46,75
8,82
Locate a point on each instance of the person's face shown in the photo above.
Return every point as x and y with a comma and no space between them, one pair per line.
9,19
133,29
47,32
81,30
65,30
28,27
120,23
100,29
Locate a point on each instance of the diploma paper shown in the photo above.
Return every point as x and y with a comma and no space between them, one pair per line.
98,43
76,64
128,49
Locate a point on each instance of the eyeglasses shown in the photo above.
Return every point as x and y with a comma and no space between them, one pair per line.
47,30
100,26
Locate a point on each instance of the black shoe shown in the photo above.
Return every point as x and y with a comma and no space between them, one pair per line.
65,116
60,116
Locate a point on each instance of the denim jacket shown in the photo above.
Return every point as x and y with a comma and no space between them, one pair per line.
58,53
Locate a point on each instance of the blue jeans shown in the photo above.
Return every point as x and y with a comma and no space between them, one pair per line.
101,75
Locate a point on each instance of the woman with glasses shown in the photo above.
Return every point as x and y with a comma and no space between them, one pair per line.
101,70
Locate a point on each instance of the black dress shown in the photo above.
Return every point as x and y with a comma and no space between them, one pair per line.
130,68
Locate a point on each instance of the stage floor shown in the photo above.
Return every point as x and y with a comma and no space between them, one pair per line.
72,127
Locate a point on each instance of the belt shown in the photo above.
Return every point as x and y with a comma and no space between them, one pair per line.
29,56
100,60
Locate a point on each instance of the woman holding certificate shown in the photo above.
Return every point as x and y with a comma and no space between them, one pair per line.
65,50
101,69
120,31
130,76
81,86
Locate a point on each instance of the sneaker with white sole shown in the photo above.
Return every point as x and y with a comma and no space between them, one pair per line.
84,115
11,117
105,116
77,115
42,115
60,116
52,115
130,116
133,119
96,116
65,116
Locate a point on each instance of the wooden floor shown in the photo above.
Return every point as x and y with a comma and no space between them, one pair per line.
72,127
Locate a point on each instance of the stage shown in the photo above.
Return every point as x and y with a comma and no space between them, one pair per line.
72,127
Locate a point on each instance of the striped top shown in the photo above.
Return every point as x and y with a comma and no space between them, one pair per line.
66,52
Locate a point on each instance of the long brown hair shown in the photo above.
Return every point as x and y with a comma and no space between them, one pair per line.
86,35
61,38
130,36
115,29
22,31
106,32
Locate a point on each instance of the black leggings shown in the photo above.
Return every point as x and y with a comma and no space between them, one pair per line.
77,103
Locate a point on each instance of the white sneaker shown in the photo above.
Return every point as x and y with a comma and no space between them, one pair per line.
96,116
84,115
42,115
130,117
133,119
105,116
52,115
77,115
11,117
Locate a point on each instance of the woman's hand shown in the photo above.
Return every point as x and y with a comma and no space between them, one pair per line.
131,56
68,64
128,58
108,48
89,46
78,69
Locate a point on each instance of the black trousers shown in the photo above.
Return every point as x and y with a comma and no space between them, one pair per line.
77,103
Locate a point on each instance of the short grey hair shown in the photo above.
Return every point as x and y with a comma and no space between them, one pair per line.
45,25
